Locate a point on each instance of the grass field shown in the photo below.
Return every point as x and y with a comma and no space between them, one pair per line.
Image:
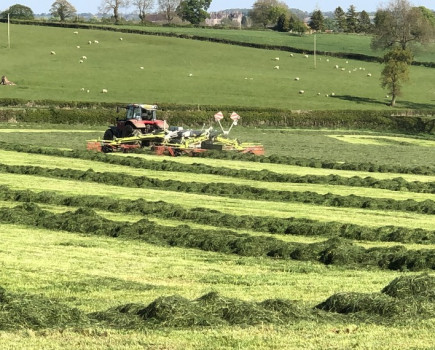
82,268
222,75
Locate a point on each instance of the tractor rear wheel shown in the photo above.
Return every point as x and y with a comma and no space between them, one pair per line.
108,135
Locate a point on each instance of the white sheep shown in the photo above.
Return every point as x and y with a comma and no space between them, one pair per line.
104,91
306,56
87,91
276,59
291,55
276,67
347,61
78,46
84,58
52,53
82,89
120,39
76,32
343,69
81,61
369,74
89,42
327,60
96,41
141,67
336,66
297,78
332,93
301,91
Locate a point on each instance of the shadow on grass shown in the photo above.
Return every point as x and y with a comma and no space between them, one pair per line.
399,103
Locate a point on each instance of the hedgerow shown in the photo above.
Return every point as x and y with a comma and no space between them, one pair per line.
395,184
273,225
334,251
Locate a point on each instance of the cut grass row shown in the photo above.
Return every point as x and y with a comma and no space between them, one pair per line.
363,217
272,225
335,251
161,171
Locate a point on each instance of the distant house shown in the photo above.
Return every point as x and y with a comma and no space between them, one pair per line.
216,18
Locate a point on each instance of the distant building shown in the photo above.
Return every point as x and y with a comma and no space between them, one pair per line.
216,18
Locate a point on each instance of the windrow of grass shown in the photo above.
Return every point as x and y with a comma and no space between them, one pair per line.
402,299
272,225
334,251
168,169
233,206
226,189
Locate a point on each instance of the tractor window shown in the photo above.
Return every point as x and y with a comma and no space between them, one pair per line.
148,114
137,114
130,114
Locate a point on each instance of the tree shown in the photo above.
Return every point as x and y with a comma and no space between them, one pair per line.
296,25
18,12
396,71
193,11
62,9
283,24
401,24
364,23
317,21
143,6
168,7
267,12
340,17
113,5
351,20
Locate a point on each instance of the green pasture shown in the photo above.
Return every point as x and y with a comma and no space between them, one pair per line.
221,75
333,43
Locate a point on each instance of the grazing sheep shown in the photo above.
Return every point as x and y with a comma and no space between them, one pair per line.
76,32
327,60
52,53
82,89
332,93
81,61
318,94
306,56
369,74
141,67
84,57
297,78
347,61
301,91
87,91
336,66
120,39
343,69
96,41
104,91
276,59
276,67
89,42
291,55
78,46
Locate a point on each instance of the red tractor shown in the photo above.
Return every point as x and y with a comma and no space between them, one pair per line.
139,119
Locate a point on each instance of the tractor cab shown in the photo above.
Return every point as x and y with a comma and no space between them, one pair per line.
141,112
138,119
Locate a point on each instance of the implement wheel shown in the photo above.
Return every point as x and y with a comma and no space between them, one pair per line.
108,135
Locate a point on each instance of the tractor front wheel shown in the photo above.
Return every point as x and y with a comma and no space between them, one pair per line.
108,135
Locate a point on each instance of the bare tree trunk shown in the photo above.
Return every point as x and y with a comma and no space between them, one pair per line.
393,101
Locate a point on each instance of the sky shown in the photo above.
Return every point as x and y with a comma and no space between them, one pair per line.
84,6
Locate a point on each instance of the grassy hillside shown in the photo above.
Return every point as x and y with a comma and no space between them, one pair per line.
189,72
